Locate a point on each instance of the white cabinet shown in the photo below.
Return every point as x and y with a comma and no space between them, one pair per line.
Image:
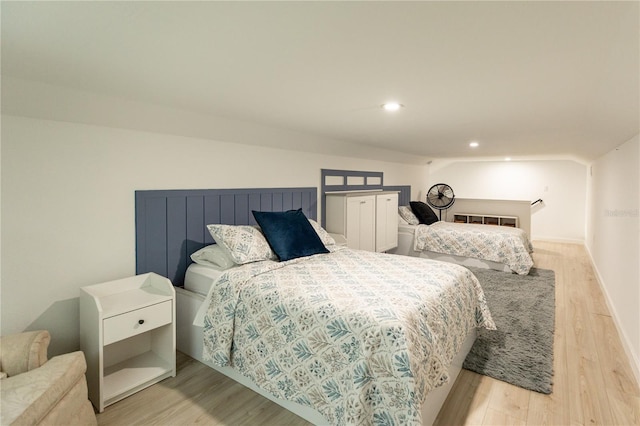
354,217
364,218
386,221
127,333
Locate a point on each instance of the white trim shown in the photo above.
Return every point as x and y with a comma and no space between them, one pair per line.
558,240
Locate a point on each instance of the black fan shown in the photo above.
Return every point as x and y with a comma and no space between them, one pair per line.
440,196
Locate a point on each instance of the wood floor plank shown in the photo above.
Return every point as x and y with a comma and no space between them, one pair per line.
498,417
620,376
471,407
511,400
622,395
593,381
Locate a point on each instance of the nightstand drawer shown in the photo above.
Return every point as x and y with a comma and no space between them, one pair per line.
135,322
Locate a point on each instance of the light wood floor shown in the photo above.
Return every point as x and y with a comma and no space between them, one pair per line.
593,381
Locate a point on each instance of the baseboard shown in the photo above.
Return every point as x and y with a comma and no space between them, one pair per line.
557,240
633,359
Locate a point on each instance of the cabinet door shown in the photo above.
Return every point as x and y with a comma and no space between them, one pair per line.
386,222
361,223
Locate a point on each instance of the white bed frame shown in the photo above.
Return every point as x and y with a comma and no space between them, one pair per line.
405,248
190,341
170,225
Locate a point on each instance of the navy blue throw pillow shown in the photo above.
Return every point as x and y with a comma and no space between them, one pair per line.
289,234
423,212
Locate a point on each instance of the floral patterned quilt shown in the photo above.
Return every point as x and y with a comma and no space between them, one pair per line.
502,244
361,337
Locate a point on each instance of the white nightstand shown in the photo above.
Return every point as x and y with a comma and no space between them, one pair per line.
127,334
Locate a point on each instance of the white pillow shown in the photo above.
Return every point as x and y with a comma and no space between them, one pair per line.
326,239
214,256
243,243
407,214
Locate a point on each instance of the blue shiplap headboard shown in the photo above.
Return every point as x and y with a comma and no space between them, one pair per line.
171,224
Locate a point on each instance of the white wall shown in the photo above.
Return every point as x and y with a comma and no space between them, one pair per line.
613,238
68,204
560,183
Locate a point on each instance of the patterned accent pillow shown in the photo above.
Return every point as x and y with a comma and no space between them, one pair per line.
407,214
245,244
326,239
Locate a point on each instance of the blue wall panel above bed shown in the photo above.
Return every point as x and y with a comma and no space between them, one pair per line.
171,224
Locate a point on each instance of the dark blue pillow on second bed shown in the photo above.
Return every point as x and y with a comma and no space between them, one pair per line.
289,234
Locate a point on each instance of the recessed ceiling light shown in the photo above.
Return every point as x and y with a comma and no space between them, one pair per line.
392,106
473,144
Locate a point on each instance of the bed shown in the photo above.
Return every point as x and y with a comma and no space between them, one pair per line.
485,246
349,352
422,234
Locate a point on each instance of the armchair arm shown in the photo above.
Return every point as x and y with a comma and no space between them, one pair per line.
23,352
54,394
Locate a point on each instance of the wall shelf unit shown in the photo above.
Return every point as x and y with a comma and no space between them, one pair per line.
486,219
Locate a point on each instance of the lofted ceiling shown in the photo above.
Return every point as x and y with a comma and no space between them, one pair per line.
521,78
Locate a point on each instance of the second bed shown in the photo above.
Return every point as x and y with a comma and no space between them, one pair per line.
493,247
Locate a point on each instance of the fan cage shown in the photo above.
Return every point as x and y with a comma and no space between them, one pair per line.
440,196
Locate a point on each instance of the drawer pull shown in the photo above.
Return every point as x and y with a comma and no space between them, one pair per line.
141,321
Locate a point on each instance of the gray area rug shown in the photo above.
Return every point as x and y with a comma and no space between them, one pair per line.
520,351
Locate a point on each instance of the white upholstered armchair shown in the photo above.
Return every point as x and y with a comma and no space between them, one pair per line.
35,390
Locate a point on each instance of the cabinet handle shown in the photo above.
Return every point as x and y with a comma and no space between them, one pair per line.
363,202
141,321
